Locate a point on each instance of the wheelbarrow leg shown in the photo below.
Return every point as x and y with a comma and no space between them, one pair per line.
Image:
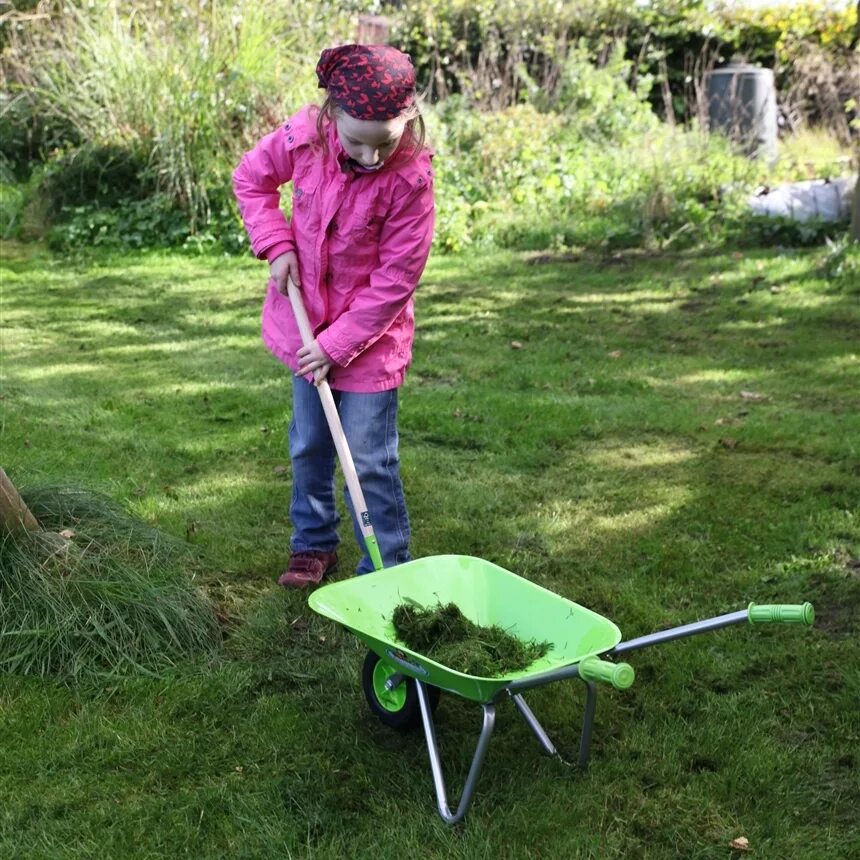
533,724
436,761
587,722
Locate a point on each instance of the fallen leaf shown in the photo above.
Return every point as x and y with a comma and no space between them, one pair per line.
752,395
616,353
740,844
729,442
776,289
515,344
280,470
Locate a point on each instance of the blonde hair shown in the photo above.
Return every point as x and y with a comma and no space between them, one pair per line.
415,131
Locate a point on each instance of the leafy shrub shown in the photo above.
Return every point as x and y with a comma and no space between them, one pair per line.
526,179
94,175
501,52
744,229
28,135
600,99
841,263
154,221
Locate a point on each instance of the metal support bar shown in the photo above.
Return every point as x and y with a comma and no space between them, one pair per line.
708,624
587,723
534,725
436,762
543,678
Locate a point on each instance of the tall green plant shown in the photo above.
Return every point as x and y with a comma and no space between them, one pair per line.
187,86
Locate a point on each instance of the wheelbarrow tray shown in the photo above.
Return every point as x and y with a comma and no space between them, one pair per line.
487,595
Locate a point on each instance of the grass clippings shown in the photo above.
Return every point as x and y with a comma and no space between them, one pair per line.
444,634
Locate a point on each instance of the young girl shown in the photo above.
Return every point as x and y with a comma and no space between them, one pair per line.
356,245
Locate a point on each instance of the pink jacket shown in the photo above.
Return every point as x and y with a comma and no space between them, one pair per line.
362,240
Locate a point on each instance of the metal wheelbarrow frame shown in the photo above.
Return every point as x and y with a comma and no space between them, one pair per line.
402,686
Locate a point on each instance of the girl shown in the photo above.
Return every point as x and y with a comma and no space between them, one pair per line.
356,245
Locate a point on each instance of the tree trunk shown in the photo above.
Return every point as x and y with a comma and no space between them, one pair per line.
14,513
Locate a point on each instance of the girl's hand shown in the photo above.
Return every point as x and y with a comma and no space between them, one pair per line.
313,359
283,267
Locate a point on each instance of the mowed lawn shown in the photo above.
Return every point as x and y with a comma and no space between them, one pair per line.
660,439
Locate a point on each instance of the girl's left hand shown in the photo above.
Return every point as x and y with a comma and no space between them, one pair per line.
313,359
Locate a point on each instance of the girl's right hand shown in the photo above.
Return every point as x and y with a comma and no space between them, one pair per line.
283,267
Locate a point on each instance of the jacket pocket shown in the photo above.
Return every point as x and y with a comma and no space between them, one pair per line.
305,204
366,224
304,194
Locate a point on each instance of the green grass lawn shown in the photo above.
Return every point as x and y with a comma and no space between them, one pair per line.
659,439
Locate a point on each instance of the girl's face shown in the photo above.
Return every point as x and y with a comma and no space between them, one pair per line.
369,141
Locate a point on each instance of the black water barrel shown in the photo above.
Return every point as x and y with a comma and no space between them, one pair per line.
742,105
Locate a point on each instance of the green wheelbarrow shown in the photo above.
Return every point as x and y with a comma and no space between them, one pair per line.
403,687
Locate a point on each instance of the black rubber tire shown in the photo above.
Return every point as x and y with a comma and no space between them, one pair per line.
409,716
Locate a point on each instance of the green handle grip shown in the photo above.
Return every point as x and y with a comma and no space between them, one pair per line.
620,675
801,613
373,551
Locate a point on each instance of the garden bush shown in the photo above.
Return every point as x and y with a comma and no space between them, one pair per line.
501,52
548,136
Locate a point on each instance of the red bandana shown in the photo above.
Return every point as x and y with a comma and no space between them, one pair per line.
368,81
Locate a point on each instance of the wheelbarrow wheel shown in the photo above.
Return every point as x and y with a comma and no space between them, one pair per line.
399,708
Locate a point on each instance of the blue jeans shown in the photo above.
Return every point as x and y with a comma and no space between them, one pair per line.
370,423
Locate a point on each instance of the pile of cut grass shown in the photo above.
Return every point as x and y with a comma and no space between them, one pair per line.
96,592
444,634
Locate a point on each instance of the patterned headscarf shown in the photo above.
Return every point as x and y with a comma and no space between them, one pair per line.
368,81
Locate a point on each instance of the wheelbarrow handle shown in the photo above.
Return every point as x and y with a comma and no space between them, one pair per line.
620,675
788,614
799,613
337,434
